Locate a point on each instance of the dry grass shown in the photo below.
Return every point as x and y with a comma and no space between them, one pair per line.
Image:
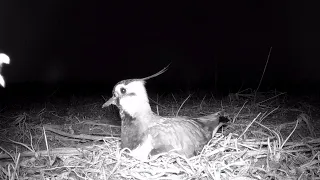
269,139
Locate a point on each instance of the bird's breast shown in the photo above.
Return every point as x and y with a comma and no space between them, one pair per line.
131,135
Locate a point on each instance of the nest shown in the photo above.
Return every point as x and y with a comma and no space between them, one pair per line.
268,140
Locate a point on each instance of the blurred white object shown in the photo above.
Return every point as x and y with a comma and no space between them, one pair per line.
4,59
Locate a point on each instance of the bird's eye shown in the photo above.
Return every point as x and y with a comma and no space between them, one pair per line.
123,90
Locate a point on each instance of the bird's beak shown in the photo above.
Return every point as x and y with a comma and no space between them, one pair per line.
112,100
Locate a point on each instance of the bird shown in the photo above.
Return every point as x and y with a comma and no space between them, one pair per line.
147,134
4,59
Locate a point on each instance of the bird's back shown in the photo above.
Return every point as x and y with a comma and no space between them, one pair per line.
184,136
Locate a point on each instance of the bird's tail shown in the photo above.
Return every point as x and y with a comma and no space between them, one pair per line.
211,121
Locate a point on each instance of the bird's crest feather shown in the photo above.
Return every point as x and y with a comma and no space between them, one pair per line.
156,74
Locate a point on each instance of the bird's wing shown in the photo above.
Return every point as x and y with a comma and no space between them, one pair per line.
181,135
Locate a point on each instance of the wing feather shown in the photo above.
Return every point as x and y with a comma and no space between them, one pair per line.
181,135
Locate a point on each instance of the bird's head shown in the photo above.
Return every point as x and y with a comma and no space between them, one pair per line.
131,96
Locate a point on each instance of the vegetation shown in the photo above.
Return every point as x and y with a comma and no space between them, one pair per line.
270,136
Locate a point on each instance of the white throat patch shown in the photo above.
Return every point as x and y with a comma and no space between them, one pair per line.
134,106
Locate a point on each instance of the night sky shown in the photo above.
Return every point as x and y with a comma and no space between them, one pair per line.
218,46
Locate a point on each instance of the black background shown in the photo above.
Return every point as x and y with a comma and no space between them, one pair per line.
221,46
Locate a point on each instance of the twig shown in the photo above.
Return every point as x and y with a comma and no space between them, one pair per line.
249,125
271,98
183,104
202,101
46,141
174,98
81,136
157,103
235,117
24,145
57,151
8,154
285,141
118,162
264,70
263,117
